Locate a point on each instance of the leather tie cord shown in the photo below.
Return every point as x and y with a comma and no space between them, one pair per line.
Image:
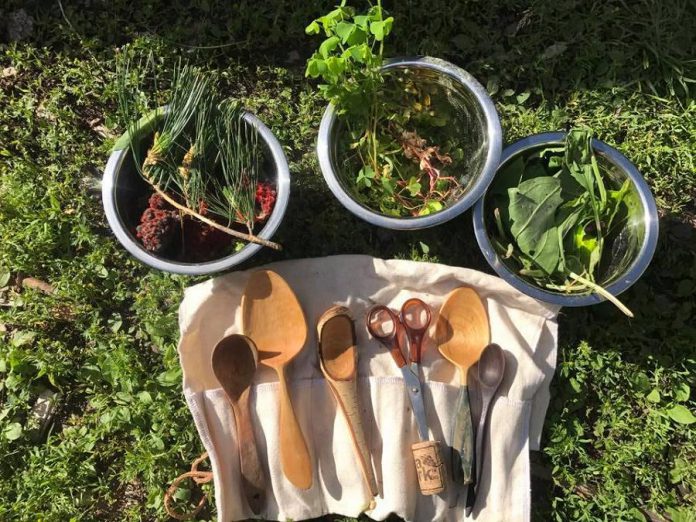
199,477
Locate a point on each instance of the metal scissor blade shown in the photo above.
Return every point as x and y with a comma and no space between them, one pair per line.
415,393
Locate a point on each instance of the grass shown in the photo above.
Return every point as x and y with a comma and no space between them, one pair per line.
617,443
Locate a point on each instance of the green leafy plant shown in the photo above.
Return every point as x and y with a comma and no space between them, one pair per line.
553,216
391,120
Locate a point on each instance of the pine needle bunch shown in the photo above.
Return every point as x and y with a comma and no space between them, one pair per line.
198,153
240,160
190,96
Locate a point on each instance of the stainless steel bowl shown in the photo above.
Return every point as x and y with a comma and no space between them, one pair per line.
121,184
481,136
638,239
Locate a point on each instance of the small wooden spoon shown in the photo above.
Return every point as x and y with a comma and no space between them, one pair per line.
491,369
273,318
234,363
462,333
338,358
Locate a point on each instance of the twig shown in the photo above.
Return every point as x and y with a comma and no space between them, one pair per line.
240,235
601,291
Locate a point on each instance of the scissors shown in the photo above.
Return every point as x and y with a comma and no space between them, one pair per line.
385,326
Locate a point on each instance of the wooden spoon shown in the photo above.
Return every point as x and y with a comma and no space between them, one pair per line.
234,363
338,359
491,369
462,333
273,318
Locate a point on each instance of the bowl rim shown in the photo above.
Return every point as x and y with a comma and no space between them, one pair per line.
494,135
109,180
621,284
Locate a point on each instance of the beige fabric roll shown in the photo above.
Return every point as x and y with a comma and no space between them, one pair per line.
525,328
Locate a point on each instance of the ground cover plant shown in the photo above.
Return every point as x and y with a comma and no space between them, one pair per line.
98,340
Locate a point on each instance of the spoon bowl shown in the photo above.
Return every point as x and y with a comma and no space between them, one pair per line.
234,362
491,366
273,318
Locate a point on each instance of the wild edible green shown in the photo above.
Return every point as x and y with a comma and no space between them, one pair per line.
395,149
554,216
201,158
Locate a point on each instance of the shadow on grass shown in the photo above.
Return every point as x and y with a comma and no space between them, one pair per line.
543,47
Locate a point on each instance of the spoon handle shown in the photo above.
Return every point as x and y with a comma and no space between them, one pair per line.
346,395
253,480
294,456
479,437
462,439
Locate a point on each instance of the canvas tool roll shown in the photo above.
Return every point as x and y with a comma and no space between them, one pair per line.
526,329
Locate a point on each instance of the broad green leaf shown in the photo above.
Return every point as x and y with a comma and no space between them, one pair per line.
641,382
682,393
365,176
653,396
315,67
414,187
344,30
387,185
328,45
521,98
681,414
313,28
145,397
4,277
532,208
170,377
382,28
12,431
362,21
335,65
615,201
509,176
22,337
431,207
680,469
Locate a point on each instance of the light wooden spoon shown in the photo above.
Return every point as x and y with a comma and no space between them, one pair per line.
338,358
272,317
234,362
462,332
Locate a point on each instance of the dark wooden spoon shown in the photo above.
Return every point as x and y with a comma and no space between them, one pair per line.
234,362
491,369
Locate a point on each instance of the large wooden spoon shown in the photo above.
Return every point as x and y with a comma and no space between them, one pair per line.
273,318
234,363
338,358
462,332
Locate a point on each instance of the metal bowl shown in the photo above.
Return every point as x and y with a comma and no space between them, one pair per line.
633,248
122,184
477,122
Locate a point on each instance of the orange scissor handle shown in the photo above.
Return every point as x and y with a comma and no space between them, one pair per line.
415,316
384,326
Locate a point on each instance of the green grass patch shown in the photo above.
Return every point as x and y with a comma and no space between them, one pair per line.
619,440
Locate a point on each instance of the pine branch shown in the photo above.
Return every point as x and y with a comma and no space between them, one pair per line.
239,235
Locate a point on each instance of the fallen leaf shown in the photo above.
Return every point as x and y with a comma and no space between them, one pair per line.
37,284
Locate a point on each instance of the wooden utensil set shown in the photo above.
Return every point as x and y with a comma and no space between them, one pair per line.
275,330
